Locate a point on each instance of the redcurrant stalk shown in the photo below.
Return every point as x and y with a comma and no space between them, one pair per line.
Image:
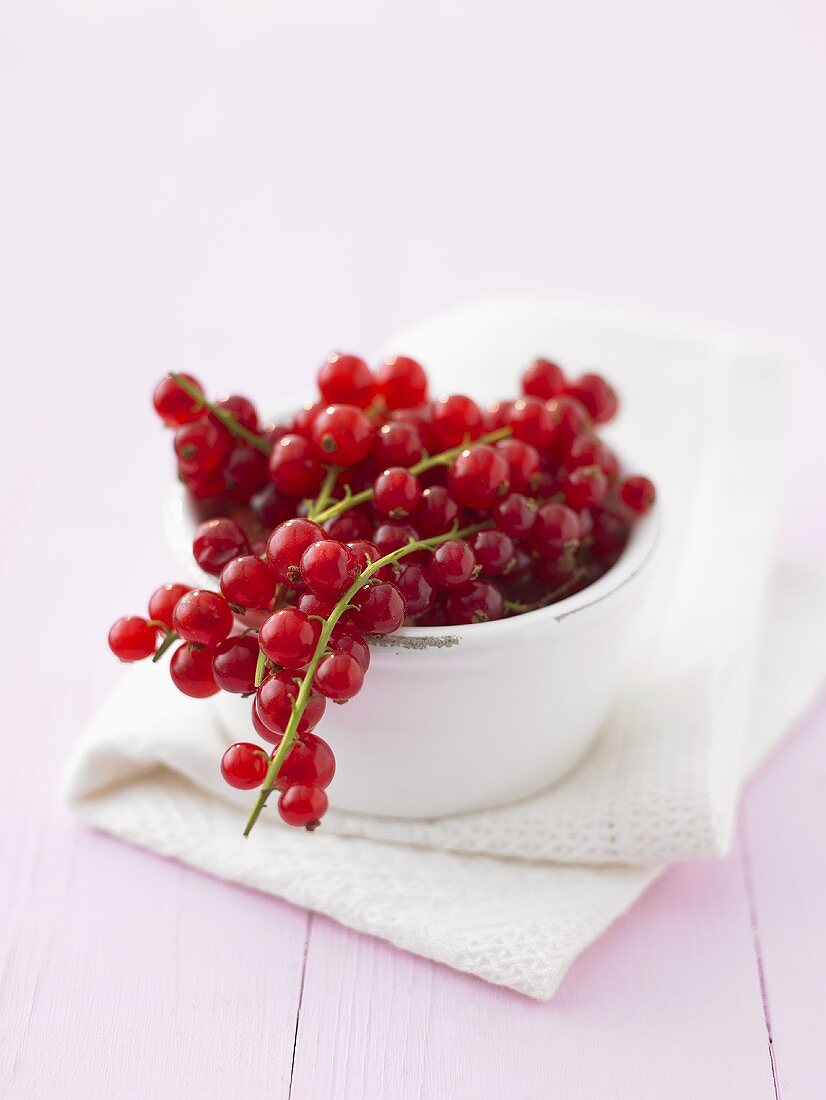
327,628
230,422
514,607
324,493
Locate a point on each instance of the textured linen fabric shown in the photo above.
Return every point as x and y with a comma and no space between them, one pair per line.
730,650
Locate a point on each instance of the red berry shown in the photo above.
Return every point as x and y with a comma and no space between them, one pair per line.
515,515
585,487
303,422
569,419
609,535
556,530
286,546
173,405
191,672
366,554
202,617
271,508
587,450
302,804
478,476
396,493
346,380
476,602
205,486
453,421
244,765
288,637
162,602
390,537
451,564
295,468
401,382
437,512
247,582
523,461
417,591
240,408
274,700
245,472
311,604
339,677
216,542
350,526
397,444
309,760
493,551
200,447
595,395
531,421
132,638
342,434
638,494
328,568
543,379
233,664
380,608
346,640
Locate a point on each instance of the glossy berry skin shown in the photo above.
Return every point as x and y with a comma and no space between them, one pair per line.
339,677
638,494
328,568
288,638
515,515
244,766
248,583
588,450
524,463
302,804
309,761
401,382
311,604
478,476
416,588
216,542
397,444
350,526
493,551
543,379
233,664
345,640
595,395
191,672
451,564
303,422
380,609
366,554
437,512
569,419
396,493
132,638
201,447
271,507
162,602
531,421
389,537
273,704
287,544
202,617
295,468
245,472
476,602
585,487
454,420
556,530
342,434
240,408
174,406
346,380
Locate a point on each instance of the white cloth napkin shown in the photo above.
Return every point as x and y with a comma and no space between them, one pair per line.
513,894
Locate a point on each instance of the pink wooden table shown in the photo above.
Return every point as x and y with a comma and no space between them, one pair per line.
235,189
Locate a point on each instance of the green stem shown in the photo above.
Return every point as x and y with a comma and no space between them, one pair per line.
441,459
171,637
323,498
260,667
321,646
230,422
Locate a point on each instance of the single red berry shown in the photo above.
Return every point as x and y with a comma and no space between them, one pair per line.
202,617
609,535
132,638
173,405
638,494
200,447
303,422
163,600
569,419
295,468
475,602
389,537
244,765
524,463
402,382
515,515
240,408
216,542
233,664
191,672
595,395
585,487
587,450
339,677
311,604
350,526
543,379
288,637
245,472
397,444
247,583
271,508
309,760
437,512
493,551
328,568
274,702
302,804
342,434
478,476
263,731
346,380
396,493
496,415
206,486
380,608
286,546
366,554
347,640
531,421
454,420
416,589
556,531
451,564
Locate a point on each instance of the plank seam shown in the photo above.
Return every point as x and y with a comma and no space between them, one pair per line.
751,901
300,1000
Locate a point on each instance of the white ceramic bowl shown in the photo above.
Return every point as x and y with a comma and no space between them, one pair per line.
453,719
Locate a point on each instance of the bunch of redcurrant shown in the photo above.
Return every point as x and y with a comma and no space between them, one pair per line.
374,508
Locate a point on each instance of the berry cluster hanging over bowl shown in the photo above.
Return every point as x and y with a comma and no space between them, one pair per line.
376,507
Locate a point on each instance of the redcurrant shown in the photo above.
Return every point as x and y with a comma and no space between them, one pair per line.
132,638
202,617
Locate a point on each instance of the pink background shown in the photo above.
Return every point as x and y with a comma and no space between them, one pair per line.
235,189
